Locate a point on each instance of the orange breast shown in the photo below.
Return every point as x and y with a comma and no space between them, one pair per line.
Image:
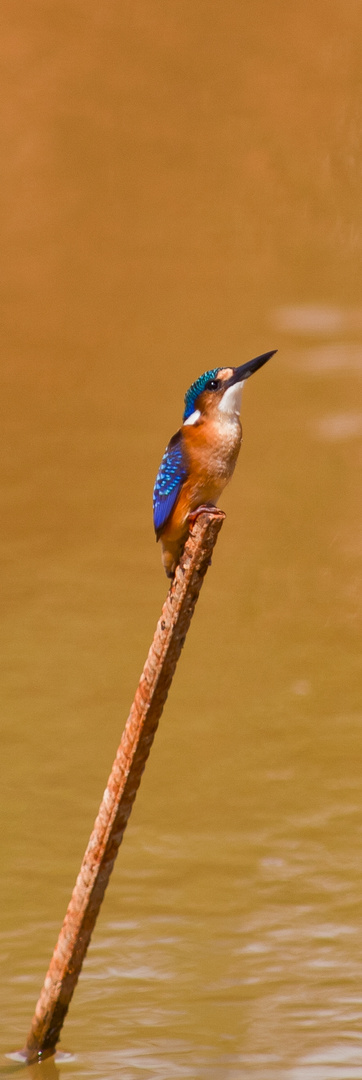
211,448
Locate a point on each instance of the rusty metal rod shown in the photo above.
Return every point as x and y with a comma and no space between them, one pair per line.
122,787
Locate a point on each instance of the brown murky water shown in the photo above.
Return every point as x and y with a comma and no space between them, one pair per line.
181,189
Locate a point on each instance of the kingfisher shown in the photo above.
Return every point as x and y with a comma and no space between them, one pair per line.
200,459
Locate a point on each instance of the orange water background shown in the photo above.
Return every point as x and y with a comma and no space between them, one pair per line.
181,190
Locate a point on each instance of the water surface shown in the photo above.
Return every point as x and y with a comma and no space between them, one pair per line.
181,190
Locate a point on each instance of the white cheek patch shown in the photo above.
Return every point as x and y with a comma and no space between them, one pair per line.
195,416
231,400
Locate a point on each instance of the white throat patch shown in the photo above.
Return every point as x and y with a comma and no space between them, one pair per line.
231,400
195,416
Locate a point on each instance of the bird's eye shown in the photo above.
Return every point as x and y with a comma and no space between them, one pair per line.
213,384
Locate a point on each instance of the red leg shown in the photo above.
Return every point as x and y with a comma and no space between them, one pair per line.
200,510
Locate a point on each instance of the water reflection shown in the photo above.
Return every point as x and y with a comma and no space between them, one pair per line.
318,320
340,426
44,1070
336,359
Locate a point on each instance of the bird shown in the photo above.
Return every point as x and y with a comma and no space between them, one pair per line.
200,458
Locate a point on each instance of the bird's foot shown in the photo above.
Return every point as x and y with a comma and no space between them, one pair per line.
204,508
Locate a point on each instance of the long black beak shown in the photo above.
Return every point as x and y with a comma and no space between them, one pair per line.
245,370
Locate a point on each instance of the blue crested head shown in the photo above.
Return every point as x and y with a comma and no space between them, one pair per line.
196,389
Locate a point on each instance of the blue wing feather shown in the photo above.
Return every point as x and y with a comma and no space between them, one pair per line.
169,481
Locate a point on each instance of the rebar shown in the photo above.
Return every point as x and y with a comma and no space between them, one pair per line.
121,790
